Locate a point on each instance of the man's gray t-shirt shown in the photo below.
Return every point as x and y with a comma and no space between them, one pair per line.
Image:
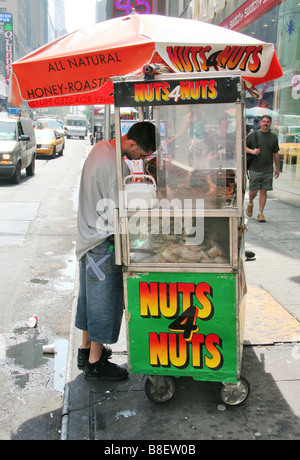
268,145
98,196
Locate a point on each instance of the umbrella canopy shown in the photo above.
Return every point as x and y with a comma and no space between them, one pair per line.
259,112
75,69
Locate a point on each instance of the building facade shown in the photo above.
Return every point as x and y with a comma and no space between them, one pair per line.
28,26
273,21
278,22
23,28
25,25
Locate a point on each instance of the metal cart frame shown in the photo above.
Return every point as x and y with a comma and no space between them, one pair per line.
149,273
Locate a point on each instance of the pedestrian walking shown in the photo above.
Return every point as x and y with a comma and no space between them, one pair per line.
100,298
263,146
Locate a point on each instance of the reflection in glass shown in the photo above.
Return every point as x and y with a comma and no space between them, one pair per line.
167,240
198,154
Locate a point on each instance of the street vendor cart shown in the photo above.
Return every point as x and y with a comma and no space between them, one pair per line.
180,233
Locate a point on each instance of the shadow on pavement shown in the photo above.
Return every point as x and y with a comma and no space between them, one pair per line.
122,411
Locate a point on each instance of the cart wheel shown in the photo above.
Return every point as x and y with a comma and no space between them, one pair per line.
234,394
160,389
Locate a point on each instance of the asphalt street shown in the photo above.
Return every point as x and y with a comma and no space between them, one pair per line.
37,234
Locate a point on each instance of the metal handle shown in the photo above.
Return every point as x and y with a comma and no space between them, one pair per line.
118,252
140,176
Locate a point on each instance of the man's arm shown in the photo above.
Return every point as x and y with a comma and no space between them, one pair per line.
276,161
253,151
250,143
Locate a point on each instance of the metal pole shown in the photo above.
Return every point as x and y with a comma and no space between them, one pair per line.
93,126
107,122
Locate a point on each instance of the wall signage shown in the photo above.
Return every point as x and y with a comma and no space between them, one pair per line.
123,7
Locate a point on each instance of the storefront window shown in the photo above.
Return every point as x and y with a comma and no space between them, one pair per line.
281,98
281,26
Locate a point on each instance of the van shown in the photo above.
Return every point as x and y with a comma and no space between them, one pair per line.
76,126
17,148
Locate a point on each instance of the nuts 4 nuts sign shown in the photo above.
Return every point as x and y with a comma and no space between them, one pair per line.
183,324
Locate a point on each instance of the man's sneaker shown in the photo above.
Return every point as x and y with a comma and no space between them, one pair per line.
261,218
249,210
104,370
249,255
84,354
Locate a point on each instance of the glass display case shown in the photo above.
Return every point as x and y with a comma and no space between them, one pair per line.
184,209
198,157
157,241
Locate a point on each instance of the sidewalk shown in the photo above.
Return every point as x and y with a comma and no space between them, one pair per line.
113,411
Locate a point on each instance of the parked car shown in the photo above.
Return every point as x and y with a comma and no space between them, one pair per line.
17,148
294,130
53,123
289,138
48,142
289,145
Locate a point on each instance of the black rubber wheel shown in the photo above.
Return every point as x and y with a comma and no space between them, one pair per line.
31,168
15,179
234,394
162,394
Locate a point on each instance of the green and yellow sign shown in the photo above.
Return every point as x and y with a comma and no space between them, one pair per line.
183,324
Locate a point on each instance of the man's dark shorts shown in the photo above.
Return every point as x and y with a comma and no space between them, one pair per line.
260,181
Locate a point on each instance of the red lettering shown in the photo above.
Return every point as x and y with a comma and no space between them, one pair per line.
165,91
158,347
248,51
224,56
194,52
197,353
187,290
215,361
235,58
173,55
186,58
202,55
255,65
172,349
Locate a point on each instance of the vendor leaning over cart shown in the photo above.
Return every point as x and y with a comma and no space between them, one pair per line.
100,299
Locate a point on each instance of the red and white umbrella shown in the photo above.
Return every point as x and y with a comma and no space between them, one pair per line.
75,69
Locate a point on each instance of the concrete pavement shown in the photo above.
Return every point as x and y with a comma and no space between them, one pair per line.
112,411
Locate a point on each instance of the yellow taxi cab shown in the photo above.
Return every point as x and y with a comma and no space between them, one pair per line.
49,142
289,145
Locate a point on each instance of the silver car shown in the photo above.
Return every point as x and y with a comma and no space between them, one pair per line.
17,148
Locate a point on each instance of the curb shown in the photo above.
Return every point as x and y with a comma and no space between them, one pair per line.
65,407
